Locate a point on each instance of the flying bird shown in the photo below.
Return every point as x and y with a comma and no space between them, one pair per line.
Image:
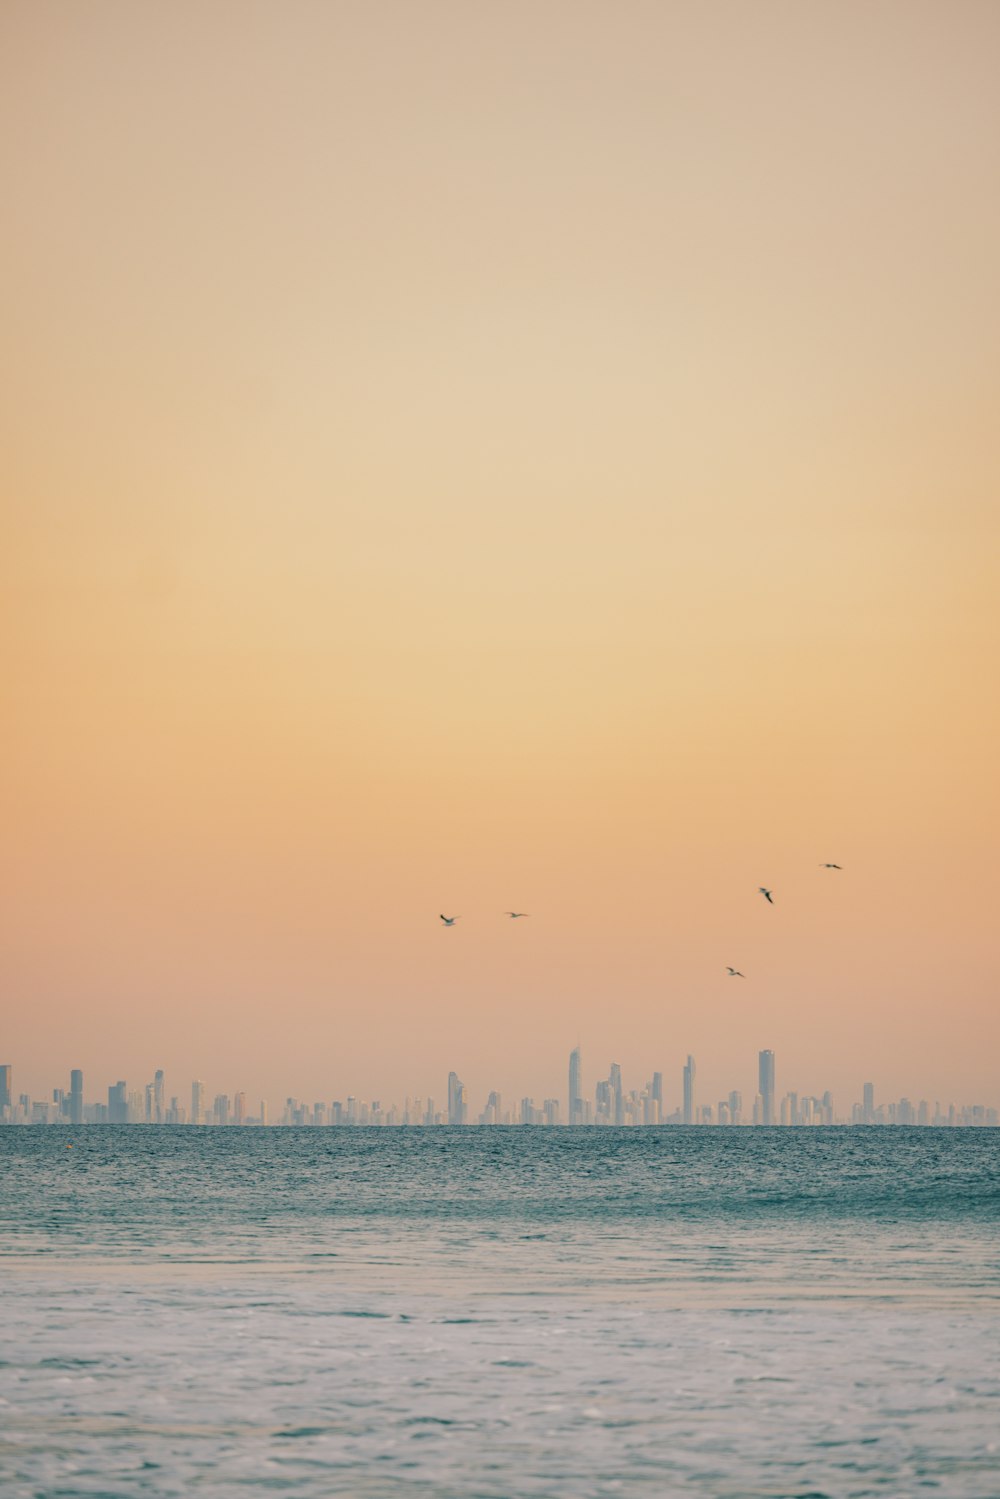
515,914
766,894
449,920
831,866
734,973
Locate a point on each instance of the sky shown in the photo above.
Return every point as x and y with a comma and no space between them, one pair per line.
459,458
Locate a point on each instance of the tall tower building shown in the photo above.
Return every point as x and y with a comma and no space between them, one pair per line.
76,1096
575,1087
6,1091
617,1100
197,1102
868,1106
689,1071
656,1094
118,1103
765,1085
159,1114
457,1106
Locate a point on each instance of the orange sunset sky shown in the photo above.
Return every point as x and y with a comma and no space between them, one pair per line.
462,456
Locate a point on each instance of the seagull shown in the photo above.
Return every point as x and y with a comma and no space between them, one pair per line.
449,920
831,866
766,894
515,914
734,973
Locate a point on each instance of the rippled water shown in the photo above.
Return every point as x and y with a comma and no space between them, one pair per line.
500,1313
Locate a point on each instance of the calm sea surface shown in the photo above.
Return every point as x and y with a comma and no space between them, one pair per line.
499,1312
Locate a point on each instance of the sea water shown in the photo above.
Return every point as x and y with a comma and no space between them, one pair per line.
499,1313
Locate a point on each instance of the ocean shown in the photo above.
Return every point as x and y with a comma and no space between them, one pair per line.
496,1313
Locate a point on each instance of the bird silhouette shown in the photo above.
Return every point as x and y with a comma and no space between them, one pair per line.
734,973
766,894
449,920
515,914
831,866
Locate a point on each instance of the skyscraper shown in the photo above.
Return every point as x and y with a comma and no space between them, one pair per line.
118,1104
575,1087
868,1106
617,1100
76,1096
689,1071
6,1090
765,1077
457,1107
197,1102
158,1110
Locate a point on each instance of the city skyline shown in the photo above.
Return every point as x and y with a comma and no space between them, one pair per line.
490,1059
613,1104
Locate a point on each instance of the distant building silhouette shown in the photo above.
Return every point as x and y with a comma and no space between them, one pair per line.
118,1103
617,1097
689,1105
76,1096
575,1107
765,1085
458,1111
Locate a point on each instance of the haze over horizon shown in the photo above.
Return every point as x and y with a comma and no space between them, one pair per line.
461,459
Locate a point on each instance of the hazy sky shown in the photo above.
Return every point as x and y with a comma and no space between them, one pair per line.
460,456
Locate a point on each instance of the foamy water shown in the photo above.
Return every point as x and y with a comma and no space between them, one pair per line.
499,1313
